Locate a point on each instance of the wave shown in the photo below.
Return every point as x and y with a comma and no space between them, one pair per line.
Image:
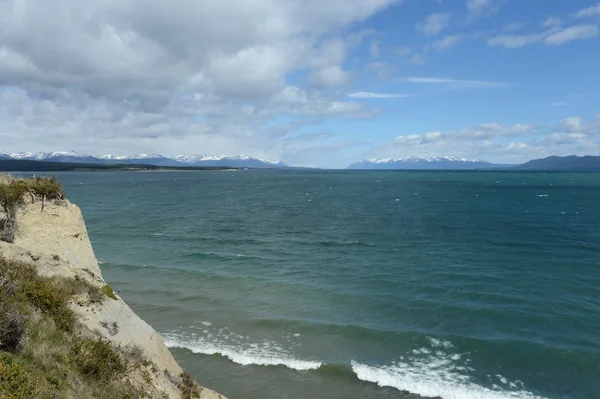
330,243
431,381
264,354
223,255
440,371
433,371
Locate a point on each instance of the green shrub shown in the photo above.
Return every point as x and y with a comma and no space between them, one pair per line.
51,296
11,194
46,187
53,300
17,382
49,357
96,359
108,291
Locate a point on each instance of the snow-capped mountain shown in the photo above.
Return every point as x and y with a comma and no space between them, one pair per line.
57,156
110,157
227,160
146,159
419,163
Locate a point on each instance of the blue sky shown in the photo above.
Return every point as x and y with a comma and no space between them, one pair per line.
308,82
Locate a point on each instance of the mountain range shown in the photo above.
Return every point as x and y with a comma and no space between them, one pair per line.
242,161
573,162
421,163
553,163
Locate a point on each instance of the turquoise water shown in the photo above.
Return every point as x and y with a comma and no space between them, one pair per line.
284,284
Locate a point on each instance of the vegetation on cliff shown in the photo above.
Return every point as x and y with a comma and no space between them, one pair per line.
12,196
53,343
44,352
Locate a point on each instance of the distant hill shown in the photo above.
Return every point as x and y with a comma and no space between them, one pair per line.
15,165
236,161
423,163
554,163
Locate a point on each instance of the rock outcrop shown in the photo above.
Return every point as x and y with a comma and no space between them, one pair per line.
57,243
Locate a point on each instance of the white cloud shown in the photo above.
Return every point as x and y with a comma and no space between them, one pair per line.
593,11
364,94
418,58
513,26
572,124
445,81
181,76
496,142
515,41
553,36
403,50
357,38
446,43
382,70
573,33
435,23
374,49
411,140
479,8
551,22
331,76
483,132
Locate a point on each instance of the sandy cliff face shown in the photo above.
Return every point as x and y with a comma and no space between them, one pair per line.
57,243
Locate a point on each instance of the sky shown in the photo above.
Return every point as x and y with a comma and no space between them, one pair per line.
309,82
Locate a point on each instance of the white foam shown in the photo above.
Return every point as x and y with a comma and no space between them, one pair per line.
206,323
439,371
263,354
438,343
432,381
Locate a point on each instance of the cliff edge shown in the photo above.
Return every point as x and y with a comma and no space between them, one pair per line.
55,241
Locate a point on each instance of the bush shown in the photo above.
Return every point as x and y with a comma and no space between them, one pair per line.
16,382
51,299
51,296
97,360
12,192
12,327
46,188
188,387
95,294
12,318
44,353
11,197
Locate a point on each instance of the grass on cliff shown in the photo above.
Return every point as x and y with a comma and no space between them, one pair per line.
44,351
12,197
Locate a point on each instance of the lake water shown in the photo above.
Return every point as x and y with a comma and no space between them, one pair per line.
347,284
